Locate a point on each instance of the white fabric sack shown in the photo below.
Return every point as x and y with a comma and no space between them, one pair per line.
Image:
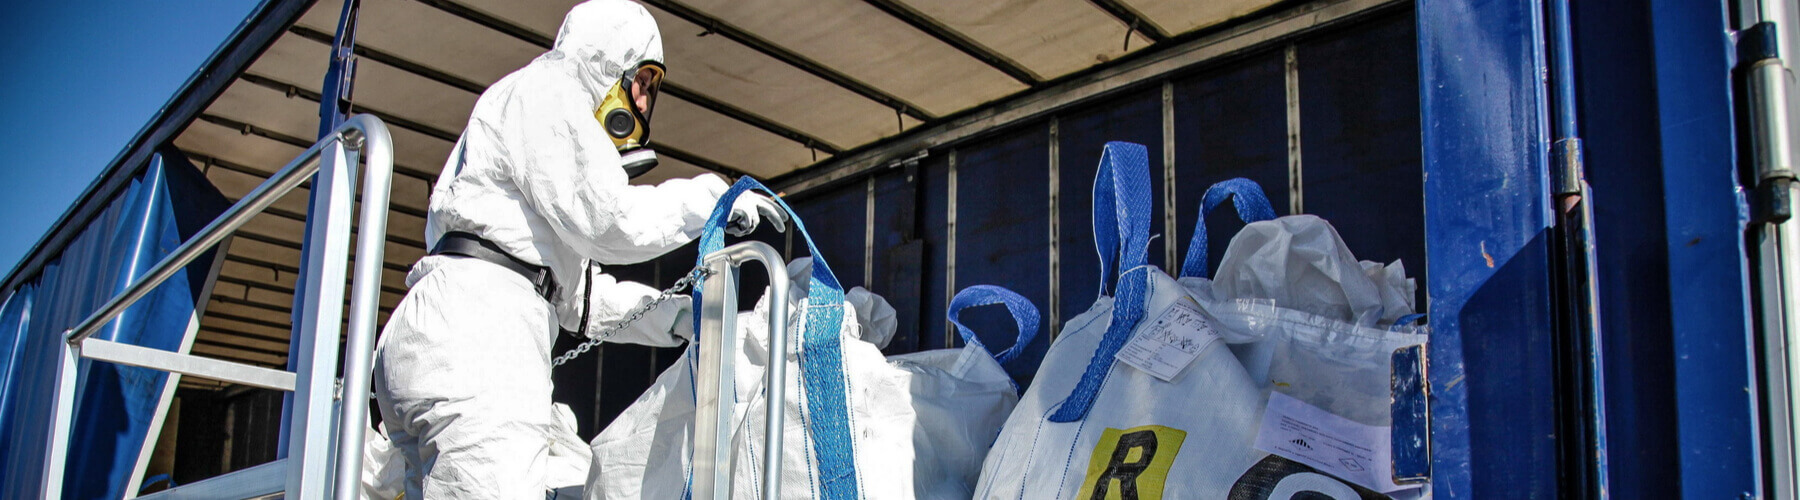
961,396
1190,437
1301,263
1091,426
647,451
1303,314
881,418
1311,323
1333,300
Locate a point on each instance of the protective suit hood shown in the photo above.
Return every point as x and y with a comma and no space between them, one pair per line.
600,40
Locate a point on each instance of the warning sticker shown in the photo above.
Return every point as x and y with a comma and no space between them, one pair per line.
1166,346
1355,452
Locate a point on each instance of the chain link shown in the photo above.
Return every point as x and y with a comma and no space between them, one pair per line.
681,285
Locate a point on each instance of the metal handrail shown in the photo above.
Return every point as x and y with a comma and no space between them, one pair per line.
714,384
359,348
363,133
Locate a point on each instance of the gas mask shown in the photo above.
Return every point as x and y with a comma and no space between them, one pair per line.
625,114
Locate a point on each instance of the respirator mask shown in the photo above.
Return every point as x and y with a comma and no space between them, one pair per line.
625,114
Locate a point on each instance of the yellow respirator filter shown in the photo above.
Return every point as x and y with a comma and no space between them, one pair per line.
619,119
625,114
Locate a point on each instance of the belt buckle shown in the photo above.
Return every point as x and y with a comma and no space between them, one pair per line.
545,283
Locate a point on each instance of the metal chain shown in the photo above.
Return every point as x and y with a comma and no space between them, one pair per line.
681,285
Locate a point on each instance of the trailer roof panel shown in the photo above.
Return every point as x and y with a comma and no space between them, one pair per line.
733,73
1181,16
685,126
869,45
1052,38
430,36
296,60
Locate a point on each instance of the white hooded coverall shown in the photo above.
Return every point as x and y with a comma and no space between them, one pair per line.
462,373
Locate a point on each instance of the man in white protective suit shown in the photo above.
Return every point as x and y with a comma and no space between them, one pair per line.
533,199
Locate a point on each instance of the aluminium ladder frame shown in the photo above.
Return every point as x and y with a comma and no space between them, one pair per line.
714,385
314,382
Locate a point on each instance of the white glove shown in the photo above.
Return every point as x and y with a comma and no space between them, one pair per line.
752,208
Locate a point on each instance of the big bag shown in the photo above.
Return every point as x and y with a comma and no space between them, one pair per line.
1315,328
845,435
962,395
1090,427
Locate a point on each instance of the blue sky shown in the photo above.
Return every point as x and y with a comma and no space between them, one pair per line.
81,78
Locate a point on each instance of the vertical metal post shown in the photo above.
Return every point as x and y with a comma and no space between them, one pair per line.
327,256
714,383
775,378
1766,39
1778,281
950,251
365,300
1169,191
1581,399
340,74
868,234
62,419
334,108
1296,188
1055,273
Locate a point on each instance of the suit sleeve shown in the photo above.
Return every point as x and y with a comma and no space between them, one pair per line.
569,172
610,301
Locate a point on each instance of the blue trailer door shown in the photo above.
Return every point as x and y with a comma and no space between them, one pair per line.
1653,92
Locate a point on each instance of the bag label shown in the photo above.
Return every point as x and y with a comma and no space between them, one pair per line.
1355,452
1163,348
1131,464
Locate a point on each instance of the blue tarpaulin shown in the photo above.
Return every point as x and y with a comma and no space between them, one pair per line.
167,203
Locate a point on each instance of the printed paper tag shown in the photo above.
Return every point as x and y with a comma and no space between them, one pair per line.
1352,451
1169,344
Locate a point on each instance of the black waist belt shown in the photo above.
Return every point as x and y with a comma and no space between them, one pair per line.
469,245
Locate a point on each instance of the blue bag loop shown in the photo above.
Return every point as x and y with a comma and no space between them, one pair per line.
827,414
1122,210
159,478
1023,313
1401,323
1122,235
1252,206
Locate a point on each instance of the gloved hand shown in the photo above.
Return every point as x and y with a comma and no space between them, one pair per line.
752,208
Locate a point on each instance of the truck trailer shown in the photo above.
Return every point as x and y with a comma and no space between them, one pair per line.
1595,199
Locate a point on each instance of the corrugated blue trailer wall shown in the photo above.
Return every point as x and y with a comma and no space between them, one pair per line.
1354,118
167,203
1230,119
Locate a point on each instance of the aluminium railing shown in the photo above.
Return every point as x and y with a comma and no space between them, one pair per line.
315,434
714,392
